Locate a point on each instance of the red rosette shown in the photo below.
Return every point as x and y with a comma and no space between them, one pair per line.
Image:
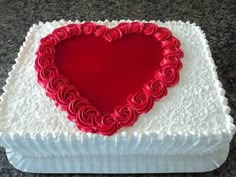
100,30
86,118
156,89
46,73
106,125
162,34
45,50
125,28
171,61
140,102
74,29
65,95
173,51
124,115
74,107
137,27
149,29
42,60
170,42
168,75
62,33
50,40
54,84
113,34
88,27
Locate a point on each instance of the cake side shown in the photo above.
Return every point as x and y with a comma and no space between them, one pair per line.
19,128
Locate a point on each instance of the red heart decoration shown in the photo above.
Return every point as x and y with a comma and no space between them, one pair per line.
105,78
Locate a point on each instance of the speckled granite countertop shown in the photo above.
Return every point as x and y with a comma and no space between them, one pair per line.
216,18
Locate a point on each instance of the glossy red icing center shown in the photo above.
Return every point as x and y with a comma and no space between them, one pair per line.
107,72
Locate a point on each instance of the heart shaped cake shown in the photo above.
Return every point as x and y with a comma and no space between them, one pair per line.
106,77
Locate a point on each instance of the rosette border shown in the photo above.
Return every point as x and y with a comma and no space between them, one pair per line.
86,116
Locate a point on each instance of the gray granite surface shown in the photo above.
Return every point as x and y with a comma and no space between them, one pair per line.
216,18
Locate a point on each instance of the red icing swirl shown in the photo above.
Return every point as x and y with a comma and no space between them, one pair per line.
50,40
54,84
86,118
65,95
89,27
171,61
47,72
74,29
125,28
45,50
173,51
113,34
100,30
149,28
170,42
43,60
162,34
80,111
137,27
140,102
156,89
107,125
61,33
125,116
74,107
168,75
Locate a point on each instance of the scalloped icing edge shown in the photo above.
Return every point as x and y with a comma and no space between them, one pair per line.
227,133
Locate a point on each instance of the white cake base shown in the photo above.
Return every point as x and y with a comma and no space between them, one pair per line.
140,163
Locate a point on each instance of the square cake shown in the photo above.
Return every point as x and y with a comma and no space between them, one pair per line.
185,129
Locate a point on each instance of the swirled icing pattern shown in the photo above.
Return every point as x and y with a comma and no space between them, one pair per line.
156,89
74,106
125,116
65,95
87,117
74,29
46,73
54,84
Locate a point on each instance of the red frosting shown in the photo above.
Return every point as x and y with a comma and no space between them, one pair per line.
65,95
105,78
156,89
125,116
53,85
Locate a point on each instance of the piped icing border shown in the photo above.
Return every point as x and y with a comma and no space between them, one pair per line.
86,116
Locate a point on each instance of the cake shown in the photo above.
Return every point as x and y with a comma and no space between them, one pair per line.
115,97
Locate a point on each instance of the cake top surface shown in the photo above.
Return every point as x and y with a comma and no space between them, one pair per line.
195,105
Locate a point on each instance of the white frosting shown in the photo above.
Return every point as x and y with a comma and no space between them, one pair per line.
192,119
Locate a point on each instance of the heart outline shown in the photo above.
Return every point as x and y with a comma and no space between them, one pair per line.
86,116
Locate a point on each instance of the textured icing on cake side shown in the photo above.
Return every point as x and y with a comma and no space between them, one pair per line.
193,106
